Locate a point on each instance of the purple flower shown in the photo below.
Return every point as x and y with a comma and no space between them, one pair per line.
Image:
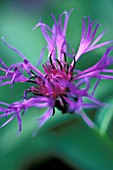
60,85
55,36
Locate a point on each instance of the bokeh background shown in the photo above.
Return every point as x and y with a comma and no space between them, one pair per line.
64,141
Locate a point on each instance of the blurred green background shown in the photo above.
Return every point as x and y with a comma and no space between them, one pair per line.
64,141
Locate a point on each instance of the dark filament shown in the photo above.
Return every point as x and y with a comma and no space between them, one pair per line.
53,111
50,58
35,75
45,79
64,56
63,108
67,68
32,81
59,63
73,64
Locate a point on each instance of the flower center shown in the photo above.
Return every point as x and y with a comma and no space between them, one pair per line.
55,84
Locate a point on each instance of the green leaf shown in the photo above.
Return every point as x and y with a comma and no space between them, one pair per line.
104,117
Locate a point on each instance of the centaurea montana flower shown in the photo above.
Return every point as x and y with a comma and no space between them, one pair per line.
60,86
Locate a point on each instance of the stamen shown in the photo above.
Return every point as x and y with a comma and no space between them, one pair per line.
32,81
65,107
73,64
53,111
50,58
59,63
67,68
75,99
34,90
33,73
45,79
64,55
52,85
32,77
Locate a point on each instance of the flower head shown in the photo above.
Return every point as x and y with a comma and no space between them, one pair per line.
60,84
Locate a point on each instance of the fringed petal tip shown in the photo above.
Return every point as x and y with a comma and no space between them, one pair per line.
39,22
3,38
4,41
42,119
66,12
19,131
87,120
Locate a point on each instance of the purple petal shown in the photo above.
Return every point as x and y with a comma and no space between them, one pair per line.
9,120
13,48
87,120
45,117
